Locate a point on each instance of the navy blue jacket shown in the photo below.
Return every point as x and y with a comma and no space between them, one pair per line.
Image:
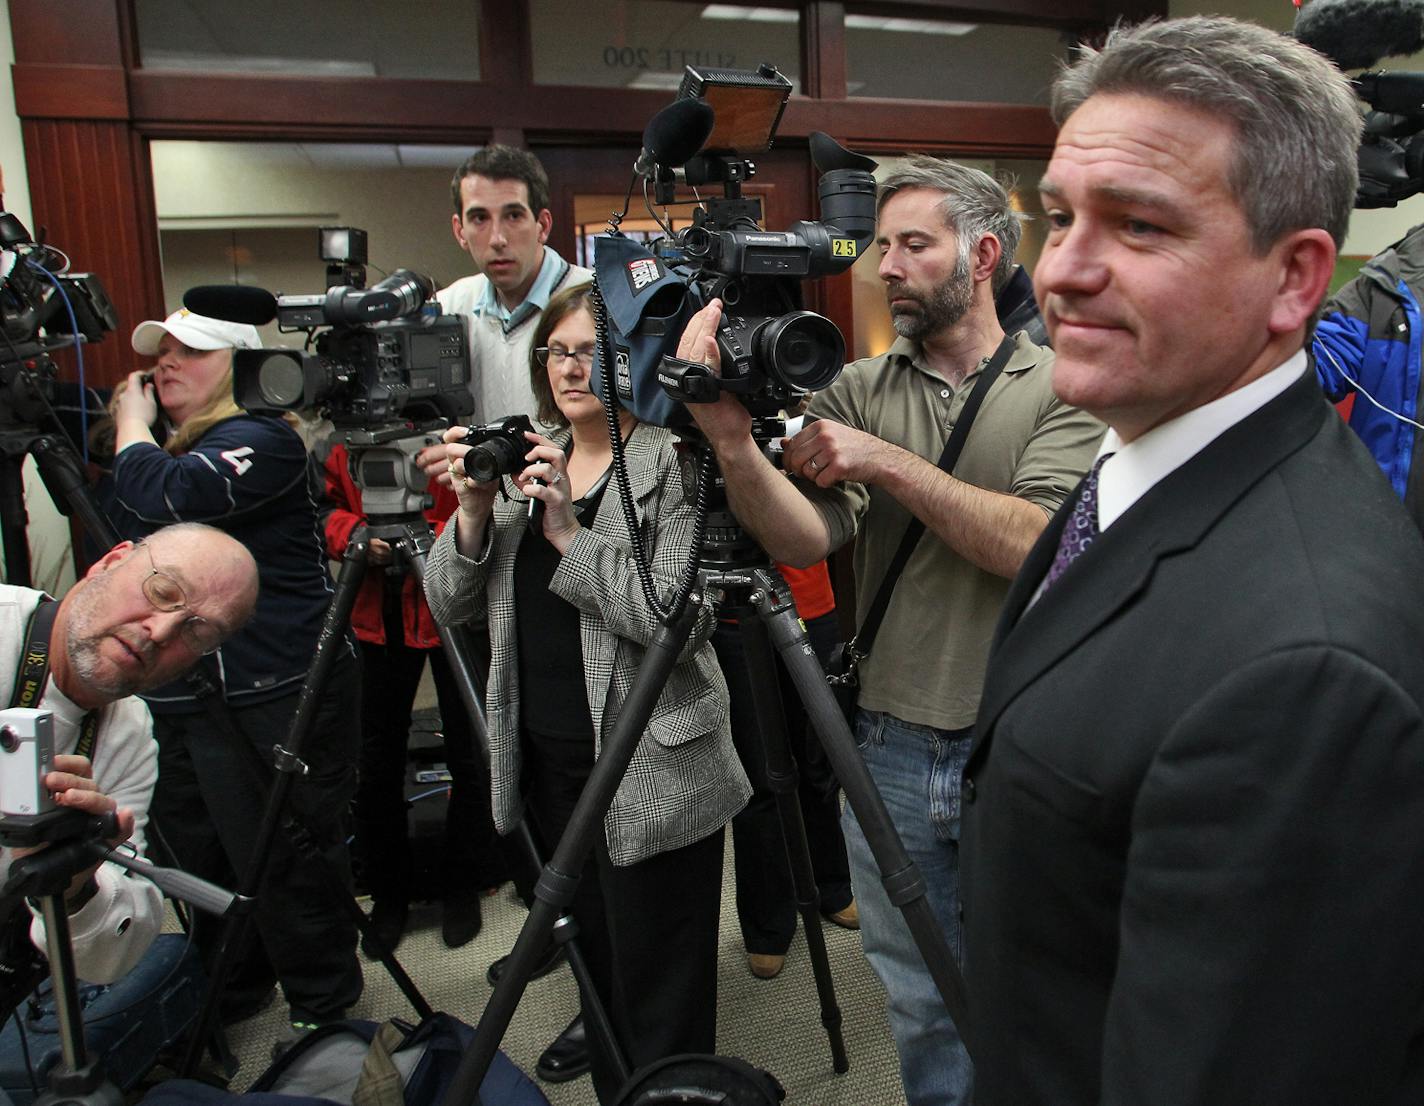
248,475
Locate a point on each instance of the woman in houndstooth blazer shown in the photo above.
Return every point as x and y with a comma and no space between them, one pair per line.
568,624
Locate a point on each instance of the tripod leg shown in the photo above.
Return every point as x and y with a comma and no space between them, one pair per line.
559,879
903,883
455,641
330,642
64,477
14,521
781,774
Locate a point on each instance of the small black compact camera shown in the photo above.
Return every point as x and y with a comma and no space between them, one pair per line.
499,447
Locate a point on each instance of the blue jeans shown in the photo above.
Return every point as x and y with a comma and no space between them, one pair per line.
917,770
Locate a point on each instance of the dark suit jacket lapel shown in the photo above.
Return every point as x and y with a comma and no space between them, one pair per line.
1171,517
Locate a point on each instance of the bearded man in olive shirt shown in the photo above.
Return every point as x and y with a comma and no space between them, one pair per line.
947,236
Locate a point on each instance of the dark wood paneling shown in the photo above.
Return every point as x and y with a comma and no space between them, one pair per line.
505,49
825,62
1048,13
170,103
1005,129
73,32
93,198
70,92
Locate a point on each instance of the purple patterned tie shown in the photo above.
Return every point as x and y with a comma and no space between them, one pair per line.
1082,526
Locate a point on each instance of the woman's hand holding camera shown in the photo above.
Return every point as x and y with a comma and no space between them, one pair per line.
547,480
476,498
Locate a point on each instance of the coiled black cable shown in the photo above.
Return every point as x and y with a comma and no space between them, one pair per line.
687,578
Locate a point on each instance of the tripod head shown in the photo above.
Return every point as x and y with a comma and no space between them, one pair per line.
382,465
726,546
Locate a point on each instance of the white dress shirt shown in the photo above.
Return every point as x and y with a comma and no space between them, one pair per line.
1134,468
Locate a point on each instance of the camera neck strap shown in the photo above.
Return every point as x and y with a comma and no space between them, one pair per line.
33,675
861,644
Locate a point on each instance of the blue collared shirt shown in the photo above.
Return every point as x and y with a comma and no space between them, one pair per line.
550,273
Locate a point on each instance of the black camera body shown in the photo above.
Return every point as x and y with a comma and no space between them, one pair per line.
43,309
385,356
364,376
773,351
498,447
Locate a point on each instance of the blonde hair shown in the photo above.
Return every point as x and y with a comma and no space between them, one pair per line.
219,406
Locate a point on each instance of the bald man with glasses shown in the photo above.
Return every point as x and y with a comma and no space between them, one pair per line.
141,616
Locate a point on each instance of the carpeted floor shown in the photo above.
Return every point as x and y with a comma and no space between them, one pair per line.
774,1024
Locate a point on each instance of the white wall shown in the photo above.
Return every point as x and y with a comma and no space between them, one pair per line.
247,212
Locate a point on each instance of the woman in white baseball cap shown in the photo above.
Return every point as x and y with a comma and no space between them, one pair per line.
191,383
250,475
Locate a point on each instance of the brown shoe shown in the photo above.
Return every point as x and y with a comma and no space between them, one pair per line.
765,965
849,918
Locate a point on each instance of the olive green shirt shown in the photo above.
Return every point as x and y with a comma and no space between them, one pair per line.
927,664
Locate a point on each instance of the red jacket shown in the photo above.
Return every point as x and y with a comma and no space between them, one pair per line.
366,615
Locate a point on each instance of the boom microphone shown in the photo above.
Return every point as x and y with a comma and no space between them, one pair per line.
673,135
1356,34
233,303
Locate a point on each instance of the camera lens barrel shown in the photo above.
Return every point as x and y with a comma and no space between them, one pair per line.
802,350
492,459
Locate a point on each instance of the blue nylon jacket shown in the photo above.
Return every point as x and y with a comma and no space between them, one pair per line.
1371,333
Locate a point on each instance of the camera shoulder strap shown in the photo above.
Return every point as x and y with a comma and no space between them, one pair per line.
33,673
865,638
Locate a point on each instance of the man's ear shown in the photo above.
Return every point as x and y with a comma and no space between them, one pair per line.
457,227
987,252
112,559
1307,261
546,224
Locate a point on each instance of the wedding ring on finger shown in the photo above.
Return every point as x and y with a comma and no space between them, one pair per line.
556,478
814,466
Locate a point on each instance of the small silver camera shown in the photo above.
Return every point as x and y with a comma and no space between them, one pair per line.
26,757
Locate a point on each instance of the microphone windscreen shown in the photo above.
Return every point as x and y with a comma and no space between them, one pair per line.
1355,34
233,303
677,132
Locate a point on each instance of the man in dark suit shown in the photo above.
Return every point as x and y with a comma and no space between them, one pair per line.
1194,810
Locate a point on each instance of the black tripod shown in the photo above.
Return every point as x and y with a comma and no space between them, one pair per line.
24,406
75,842
393,489
771,622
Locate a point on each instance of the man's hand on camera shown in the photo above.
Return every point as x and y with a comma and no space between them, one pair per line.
433,459
827,452
72,784
727,421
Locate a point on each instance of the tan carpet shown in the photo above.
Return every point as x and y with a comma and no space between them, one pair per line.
774,1024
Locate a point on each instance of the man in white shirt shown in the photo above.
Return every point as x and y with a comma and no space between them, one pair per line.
502,220
1193,853
140,617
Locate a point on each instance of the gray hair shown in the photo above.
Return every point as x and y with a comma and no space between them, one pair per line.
1296,120
974,204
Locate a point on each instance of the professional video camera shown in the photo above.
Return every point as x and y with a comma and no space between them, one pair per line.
772,350
1358,34
38,295
385,356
